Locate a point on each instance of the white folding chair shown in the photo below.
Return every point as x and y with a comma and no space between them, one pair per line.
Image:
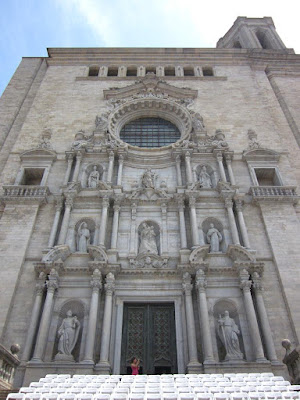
49,396
32,396
291,395
36,384
186,396
15,396
221,396
152,396
84,396
256,395
204,396
273,395
101,396
136,396
169,396
239,396
294,387
26,389
67,396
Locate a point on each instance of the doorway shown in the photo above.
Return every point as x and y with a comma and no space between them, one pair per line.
149,334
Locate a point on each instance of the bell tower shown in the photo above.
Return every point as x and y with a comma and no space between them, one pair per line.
252,33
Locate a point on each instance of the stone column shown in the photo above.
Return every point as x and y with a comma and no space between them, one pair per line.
263,318
69,157
193,366
110,170
193,218
120,170
91,331
231,219
133,229
58,208
204,318
52,285
164,231
251,317
39,287
182,227
219,157
103,223
104,365
228,157
66,220
188,168
115,226
244,232
79,155
178,170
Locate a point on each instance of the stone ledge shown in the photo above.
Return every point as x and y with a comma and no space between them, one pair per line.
16,193
274,193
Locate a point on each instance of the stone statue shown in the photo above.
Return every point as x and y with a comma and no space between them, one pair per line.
83,238
68,334
228,332
94,177
214,238
204,178
81,141
148,240
148,179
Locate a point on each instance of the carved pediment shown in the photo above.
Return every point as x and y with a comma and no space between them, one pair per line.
98,254
199,254
261,154
58,253
239,253
149,194
148,261
150,86
38,153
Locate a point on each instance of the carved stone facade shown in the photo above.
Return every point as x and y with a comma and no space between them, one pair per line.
200,234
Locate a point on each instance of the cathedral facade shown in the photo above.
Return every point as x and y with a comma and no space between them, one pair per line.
150,208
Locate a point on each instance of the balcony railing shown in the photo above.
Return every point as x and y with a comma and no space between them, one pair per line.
25,192
8,364
281,193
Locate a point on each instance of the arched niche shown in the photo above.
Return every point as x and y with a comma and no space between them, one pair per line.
78,310
149,241
81,235
206,176
229,332
92,174
206,225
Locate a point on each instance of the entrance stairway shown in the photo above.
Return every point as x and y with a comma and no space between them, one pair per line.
240,386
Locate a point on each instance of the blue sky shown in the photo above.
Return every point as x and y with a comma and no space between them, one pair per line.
28,27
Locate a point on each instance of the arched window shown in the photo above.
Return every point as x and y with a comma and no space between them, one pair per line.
150,132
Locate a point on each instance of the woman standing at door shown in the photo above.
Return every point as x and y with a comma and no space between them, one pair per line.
135,365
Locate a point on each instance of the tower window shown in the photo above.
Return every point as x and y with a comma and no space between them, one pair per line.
150,132
188,71
94,71
112,71
131,71
207,71
169,71
150,70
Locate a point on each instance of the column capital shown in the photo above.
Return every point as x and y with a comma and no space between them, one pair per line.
111,156
180,203
257,284
192,201
239,204
121,158
96,284
228,156
105,202
219,155
52,285
187,154
58,202
69,201
69,156
79,154
228,202
178,158
187,285
117,206
245,285
201,282
39,287
110,284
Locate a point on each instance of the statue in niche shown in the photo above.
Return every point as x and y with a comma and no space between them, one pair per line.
148,240
204,178
94,177
214,238
83,238
68,334
148,179
228,332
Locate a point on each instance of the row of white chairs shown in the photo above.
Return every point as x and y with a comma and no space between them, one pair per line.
163,396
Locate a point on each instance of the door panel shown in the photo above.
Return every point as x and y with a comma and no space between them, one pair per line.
149,334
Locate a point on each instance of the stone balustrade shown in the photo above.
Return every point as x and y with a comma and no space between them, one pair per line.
8,364
25,192
285,193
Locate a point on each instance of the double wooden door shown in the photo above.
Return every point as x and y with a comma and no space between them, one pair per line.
149,334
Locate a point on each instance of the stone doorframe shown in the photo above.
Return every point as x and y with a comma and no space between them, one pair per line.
117,324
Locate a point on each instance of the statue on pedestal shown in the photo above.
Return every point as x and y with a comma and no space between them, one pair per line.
68,334
148,240
204,178
228,332
83,238
214,238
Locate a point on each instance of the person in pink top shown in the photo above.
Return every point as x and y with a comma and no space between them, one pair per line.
135,365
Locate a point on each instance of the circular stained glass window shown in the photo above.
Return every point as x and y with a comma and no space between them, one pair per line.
150,132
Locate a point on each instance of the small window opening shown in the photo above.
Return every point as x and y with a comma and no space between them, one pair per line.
237,45
32,176
131,71
150,70
267,177
188,71
93,71
112,71
207,71
263,40
170,71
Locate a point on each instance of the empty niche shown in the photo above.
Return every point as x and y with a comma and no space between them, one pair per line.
92,175
228,332
213,233
94,70
149,238
68,334
206,176
84,234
